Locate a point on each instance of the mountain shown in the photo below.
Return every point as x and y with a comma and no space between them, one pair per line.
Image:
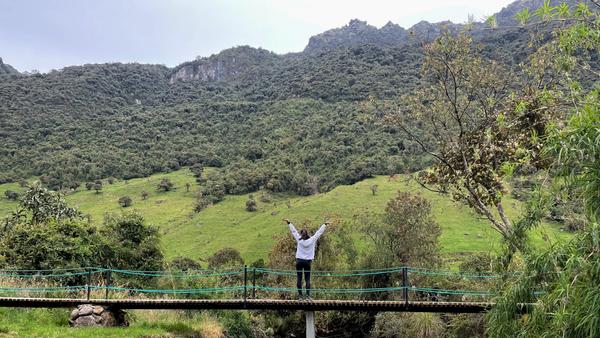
290,122
7,69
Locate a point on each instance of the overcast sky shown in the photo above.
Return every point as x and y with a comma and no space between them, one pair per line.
51,34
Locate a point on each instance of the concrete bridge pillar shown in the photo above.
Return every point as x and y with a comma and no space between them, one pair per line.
310,324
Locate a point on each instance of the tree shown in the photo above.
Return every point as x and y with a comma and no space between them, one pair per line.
65,244
165,185
373,188
144,195
251,205
479,128
11,195
98,187
125,201
39,205
225,258
405,234
131,243
201,203
197,170
562,280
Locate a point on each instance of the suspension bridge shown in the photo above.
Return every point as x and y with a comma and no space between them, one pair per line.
250,288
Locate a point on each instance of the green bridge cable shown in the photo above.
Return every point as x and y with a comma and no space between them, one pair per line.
44,289
172,291
69,274
176,275
449,273
328,274
331,290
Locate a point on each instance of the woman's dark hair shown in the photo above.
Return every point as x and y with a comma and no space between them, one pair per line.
304,234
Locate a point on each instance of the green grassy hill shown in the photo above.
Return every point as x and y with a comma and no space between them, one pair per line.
198,235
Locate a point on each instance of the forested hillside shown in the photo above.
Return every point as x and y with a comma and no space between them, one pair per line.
292,120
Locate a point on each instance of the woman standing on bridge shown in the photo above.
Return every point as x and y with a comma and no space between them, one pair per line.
305,253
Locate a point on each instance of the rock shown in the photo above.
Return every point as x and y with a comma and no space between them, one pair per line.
98,310
85,321
95,315
85,310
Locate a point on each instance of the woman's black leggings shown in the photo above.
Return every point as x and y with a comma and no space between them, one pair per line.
303,265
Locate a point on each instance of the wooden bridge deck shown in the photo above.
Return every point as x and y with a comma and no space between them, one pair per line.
255,304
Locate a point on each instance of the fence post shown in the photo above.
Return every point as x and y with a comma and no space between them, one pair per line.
245,283
405,285
107,282
89,281
253,283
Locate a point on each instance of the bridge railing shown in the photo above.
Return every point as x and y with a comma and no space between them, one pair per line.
398,283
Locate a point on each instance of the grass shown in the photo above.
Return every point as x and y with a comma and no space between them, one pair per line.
228,224
147,323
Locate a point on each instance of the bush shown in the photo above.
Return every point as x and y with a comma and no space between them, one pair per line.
131,244
184,264
201,203
165,185
125,201
265,198
144,195
477,263
418,325
251,205
55,245
11,195
225,258
97,187
89,185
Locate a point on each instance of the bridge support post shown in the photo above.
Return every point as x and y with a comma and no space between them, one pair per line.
107,283
310,324
405,285
88,283
254,283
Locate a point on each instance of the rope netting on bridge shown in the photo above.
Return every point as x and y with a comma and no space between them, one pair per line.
399,283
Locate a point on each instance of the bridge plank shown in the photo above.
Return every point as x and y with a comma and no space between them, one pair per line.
255,304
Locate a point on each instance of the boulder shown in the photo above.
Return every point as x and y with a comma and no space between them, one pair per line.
95,315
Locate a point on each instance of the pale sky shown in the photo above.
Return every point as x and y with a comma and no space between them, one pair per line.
51,34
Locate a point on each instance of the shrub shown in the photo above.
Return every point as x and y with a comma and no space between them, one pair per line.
251,205
184,264
165,185
224,258
11,195
125,201
418,325
265,198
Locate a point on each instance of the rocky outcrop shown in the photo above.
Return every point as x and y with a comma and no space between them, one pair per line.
6,69
425,31
356,33
94,315
228,65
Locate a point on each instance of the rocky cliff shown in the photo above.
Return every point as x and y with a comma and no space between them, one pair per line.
229,64
6,69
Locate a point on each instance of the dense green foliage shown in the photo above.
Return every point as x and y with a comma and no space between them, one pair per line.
562,282
286,122
45,233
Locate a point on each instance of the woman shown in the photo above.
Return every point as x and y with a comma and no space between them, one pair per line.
305,253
